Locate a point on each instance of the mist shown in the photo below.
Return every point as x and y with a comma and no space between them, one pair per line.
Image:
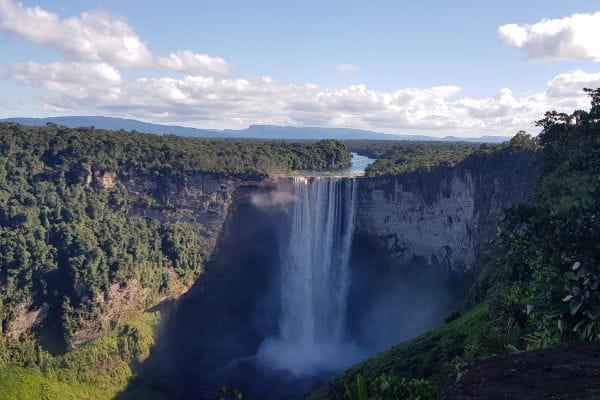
273,200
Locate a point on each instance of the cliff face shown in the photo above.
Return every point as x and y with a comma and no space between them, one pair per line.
415,216
446,216
204,199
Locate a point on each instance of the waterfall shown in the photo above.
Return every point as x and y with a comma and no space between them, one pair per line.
315,278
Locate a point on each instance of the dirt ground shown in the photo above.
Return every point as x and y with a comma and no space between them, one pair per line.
564,373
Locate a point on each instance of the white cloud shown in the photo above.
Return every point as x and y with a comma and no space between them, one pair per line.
574,37
348,68
208,102
75,80
186,61
98,37
562,86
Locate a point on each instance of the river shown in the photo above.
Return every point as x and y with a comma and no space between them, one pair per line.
359,164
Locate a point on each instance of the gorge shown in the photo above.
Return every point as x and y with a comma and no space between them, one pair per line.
296,292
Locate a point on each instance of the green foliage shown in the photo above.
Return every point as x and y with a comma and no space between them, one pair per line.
583,300
399,157
30,384
391,387
549,242
523,141
231,394
387,387
357,393
183,245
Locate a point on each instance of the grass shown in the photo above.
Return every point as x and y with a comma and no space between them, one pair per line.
18,383
100,370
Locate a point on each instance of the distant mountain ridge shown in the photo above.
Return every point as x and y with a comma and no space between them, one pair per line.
252,132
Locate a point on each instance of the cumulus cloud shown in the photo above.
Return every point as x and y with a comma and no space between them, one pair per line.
562,87
210,102
98,37
348,68
186,61
574,37
74,80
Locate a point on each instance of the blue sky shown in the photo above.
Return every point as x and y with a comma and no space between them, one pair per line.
397,55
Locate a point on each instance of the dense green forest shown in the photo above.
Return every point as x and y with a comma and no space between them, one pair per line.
542,291
64,241
393,157
169,155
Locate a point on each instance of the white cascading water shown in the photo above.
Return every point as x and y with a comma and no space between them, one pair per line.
315,278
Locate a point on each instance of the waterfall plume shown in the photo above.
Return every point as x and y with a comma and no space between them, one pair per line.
315,278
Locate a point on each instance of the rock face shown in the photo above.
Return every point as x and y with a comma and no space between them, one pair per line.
204,199
25,318
446,216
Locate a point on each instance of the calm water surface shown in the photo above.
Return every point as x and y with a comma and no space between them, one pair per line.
359,164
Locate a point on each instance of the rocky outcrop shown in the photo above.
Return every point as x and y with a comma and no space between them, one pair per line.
204,199
26,317
120,302
106,180
92,177
446,216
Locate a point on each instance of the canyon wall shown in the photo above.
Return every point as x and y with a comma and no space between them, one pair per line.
203,199
446,216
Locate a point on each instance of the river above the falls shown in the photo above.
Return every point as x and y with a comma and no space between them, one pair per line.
357,168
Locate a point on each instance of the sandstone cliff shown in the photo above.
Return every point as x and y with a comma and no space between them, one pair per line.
447,216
